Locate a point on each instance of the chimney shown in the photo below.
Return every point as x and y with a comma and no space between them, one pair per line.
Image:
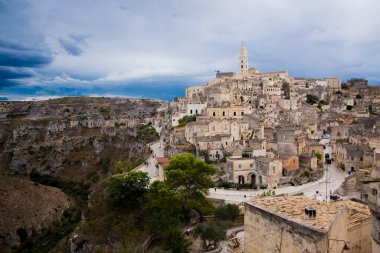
310,213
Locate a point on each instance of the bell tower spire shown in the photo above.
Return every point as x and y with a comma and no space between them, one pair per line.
243,60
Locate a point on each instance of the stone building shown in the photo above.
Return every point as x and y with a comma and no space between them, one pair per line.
162,163
260,171
290,163
299,224
353,157
290,141
374,201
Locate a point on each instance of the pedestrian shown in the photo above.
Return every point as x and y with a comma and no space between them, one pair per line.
215,188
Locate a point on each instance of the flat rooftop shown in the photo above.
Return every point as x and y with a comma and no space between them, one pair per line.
293,207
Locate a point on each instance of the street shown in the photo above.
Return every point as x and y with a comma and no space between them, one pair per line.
335,177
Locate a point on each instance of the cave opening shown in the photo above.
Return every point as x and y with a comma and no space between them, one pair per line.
22,234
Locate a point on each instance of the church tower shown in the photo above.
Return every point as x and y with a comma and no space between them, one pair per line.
243,60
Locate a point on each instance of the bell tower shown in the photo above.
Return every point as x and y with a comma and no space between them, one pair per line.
243,61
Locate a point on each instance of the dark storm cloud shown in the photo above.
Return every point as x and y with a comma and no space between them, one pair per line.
22,46
72,44
17,61
17,55
14,73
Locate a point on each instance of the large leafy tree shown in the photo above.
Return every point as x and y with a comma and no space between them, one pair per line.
211,233
190,178
125,189
165,207
171,202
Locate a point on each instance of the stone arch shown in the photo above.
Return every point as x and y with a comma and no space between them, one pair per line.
253,179
23,234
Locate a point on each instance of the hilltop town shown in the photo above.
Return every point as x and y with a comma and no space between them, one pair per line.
297,160
264,129
267,132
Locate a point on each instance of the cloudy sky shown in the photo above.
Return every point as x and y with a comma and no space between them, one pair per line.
156,48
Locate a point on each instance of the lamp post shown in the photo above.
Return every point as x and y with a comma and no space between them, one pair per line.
327,162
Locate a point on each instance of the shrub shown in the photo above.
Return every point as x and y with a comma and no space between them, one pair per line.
186,119
311,99
227,212
211,233
127,189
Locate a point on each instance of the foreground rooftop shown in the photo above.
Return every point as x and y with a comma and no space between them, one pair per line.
293,208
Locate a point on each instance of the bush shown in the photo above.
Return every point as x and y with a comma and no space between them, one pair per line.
211,234
147,131
227,185
311,99
176,241
127,189
227,212
186,119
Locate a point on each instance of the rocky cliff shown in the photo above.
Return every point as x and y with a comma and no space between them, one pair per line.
61,137
27,209
70,143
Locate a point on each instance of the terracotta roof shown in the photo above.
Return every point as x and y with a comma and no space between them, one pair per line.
293,207
164,161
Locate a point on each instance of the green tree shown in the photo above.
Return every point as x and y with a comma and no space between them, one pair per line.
165,206
186,119
176,242
211,233
311,99
125,189
227,212
190,178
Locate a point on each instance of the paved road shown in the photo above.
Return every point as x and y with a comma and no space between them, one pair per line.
150,166
335,177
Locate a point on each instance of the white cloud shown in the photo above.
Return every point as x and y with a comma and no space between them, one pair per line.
143,39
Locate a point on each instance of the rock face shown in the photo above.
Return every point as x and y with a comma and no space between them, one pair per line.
77,140
27,209
61,136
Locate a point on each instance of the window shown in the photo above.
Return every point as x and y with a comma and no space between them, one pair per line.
234,113
224,113
239,166
213,114
251,165
242,113
374,192
241,66
196,111
191,111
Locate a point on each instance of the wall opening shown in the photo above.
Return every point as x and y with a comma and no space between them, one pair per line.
23,235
